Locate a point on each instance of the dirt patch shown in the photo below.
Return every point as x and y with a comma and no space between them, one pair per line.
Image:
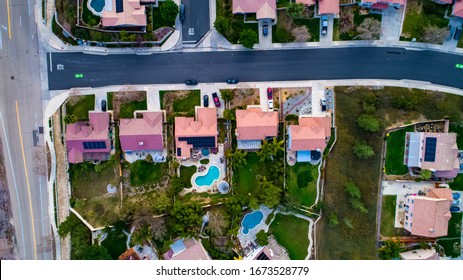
126,95
243,96
170,96
288,93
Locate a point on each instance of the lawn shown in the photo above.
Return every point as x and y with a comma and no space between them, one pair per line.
127,109
283,3
460,42
285,228
80,105
99,211
159,21
420,14
235,22
301,183
186,173
457,184
453,236
145,173
395,152
115,242
109,100
454,127
180,102
388,215
281,32
246,181
357,20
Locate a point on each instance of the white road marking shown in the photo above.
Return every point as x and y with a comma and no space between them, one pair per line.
36,126
29,7
14,183
51,64
1,42
20,22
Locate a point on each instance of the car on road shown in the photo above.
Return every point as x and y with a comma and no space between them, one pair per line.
457,34
232,81
103,105
269,93
454,209
182,12
459,66
206,100
324,25
323,104
265,29
270,105
191,82
216,100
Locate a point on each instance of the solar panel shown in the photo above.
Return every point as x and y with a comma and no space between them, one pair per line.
430,150
262,257
94,145
119,6
199,142
179,152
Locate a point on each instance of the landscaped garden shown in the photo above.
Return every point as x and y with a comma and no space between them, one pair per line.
451,242
301,183
395,152
304,28
180,103
80,105
186,172
291,232
229,25
246,175
143,173
354,25
425,21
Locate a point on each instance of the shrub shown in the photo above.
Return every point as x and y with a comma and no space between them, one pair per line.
362,150
262,238
248,38
368,123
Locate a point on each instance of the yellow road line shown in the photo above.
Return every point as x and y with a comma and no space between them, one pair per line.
27,180
9,22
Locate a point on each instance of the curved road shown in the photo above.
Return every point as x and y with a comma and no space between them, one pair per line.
282,65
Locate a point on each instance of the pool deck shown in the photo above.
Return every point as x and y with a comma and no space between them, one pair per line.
246,239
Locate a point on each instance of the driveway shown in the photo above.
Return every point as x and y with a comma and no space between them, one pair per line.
391,24
450,43
197,20
326,40
265,42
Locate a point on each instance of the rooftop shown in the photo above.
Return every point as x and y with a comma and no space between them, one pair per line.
262,8
142,133
123,13
328,7
458,8
187,249
312,133
254,124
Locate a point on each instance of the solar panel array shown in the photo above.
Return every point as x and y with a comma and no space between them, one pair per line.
199,142
262,257
430,150
179,152
119,6
94,145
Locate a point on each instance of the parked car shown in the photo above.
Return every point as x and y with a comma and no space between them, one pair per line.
206,100
103,105
323,104
270,105
457,34
265,29
216,100
456,202
269,93
454,209
232,81
191,82
324,25
182,12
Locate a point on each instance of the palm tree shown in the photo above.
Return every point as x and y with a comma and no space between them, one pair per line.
270,149
236,158
391,249
217,223
68,119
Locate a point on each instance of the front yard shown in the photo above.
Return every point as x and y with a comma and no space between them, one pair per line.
451,242
291,232
127,109
289,29
235,23
246,180
80,105
354,25
180,103
301,183
395,152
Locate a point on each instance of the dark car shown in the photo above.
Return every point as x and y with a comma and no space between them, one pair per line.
216,100
232,81
269,93
454,209
265,29
206,100
323,104
103,105
324,25
191,82
457,34
182,12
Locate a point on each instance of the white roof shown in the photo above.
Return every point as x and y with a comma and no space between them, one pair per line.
414,149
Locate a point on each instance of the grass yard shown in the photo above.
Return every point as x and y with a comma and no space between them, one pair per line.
454,127
145,173
388,215
285,228
420,14
205,198
180,103
127,109
115,242
86,183
301,183
246,182
186,173
281,32
395,152
80,105
235,22
453,236
109,100
99,211
457,184
159,21
283,3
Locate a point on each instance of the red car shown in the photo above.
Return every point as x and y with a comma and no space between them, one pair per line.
216,100
269,93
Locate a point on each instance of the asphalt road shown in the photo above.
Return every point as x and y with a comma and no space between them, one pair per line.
196,23
304,64
20,85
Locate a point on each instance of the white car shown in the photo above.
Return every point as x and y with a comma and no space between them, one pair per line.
270,105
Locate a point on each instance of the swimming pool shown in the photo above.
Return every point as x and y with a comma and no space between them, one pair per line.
96,6
251,220
207,180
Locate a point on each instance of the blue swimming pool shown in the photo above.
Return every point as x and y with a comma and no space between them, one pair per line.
97,5
207,180
251,220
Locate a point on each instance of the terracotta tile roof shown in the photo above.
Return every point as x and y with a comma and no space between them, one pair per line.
328,7
311,134
133,14
129,254
458,8
254,124
194,251
262,8
143,134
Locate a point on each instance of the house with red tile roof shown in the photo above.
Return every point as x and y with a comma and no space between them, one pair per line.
326,7
142,134
254,125
379,6
262,8
196,133
437,152
187,249
123,13
458,8
89,141
428,215
308,139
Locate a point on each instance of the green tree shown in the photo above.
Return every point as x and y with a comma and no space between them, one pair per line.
169,11
268,193
362,150
124,36
217,222
248,38
236,158
254,203
296,10
69,118
227,95
269,149
187,218
425,175
262,238
229,115
222,25
96,252
333,220
352,190
149,158
368,123
96,36
391,249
